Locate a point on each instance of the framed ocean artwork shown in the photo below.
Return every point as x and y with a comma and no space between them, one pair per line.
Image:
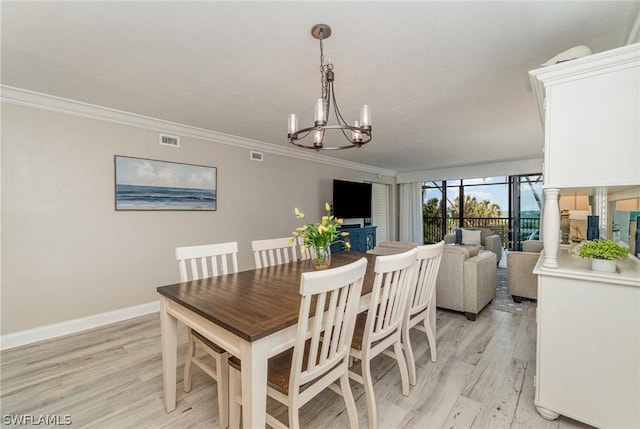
146,184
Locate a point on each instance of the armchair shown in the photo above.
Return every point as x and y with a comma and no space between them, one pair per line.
488,240
521,282
466,283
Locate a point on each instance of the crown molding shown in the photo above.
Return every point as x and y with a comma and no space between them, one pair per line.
19,96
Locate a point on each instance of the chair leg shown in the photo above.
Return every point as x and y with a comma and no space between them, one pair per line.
187,364
408,350
402,364
470,316
294,417
349,401
367,381
222,368
235,409
431,338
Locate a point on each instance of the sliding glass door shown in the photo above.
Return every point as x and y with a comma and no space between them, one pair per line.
525,208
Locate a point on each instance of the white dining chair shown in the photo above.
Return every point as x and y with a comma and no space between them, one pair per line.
380,327
320,355
194,263
420,301
275,251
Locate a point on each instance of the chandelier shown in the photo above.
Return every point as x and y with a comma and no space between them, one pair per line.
357,134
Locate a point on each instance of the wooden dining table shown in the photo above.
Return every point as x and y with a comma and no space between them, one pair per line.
251,314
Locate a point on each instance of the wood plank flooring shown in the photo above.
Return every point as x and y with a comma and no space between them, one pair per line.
111,377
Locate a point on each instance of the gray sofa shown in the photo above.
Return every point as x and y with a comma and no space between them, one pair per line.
466,279
489,240
521,282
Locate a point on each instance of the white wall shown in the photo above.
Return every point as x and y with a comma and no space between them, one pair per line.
66,252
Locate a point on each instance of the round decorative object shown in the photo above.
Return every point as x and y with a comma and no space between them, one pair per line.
319,29
322,258
603,265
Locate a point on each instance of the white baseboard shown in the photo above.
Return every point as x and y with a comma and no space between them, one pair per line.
48,332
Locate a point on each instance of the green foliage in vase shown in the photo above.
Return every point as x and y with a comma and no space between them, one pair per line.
323,233
602,249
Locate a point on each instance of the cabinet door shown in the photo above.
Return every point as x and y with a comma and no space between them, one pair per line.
370,238
592,132
358,240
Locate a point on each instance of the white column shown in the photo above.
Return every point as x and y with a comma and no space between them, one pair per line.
551,227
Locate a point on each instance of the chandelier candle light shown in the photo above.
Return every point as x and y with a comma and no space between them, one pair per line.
357,134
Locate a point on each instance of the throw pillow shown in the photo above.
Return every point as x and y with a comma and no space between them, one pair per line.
458,232
470,236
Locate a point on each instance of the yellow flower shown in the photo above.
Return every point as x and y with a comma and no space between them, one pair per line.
321,234
347,244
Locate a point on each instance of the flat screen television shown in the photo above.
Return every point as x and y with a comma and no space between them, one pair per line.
351,199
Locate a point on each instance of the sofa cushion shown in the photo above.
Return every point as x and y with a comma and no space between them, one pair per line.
398,244
532,246
469,251
471,236
458,233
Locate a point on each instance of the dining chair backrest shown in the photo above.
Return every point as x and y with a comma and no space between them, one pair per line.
389,296
274,251
209,260
194,263
326,321
425,273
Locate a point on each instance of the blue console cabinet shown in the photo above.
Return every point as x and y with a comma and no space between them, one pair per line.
362,239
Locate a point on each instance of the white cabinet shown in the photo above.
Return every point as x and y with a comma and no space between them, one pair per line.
591,115
591,110
588,339
588,351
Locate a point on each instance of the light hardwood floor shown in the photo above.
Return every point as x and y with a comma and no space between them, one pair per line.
111,377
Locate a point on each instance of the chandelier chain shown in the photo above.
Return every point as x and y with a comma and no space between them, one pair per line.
323,79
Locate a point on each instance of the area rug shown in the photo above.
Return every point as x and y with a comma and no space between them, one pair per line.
503,300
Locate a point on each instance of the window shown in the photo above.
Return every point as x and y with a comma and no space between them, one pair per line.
483,202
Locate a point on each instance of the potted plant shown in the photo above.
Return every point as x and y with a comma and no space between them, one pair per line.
603,254
320,236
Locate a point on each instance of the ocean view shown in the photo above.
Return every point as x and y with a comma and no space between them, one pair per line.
135,197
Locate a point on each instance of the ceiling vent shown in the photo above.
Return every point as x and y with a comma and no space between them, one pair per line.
255,156
168,140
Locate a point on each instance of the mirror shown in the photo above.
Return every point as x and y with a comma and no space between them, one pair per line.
624,225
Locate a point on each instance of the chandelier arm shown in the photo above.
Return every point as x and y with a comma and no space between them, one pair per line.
339,117
294,139
306,131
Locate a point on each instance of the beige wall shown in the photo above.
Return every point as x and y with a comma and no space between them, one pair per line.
67,254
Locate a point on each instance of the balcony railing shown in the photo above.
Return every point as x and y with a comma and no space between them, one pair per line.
433,230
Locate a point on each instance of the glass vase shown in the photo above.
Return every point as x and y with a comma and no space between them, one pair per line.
322,257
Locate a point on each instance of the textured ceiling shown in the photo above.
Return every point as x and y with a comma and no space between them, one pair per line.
447,82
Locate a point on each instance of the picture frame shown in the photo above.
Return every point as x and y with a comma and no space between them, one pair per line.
152,185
